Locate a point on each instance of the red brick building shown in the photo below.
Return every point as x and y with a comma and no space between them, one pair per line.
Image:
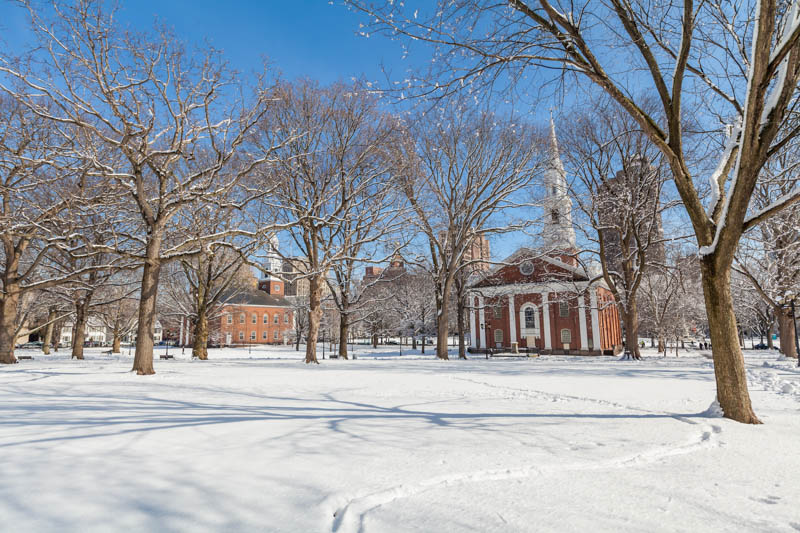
262,316
544,302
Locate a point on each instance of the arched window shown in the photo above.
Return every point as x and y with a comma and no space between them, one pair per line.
530,318
266,318
241,335
566,336
277,318
255,318
241,318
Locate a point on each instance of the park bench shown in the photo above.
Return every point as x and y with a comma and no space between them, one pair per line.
166,356
24,357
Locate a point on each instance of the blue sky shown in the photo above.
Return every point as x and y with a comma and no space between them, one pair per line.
300,37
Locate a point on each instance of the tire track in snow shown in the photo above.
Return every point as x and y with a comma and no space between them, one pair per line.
350,513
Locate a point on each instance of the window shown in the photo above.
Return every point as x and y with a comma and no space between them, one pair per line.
498,311
498,336
563,309
277,318
252,335
266,318
530,318
276,288
264,335
566,336
285,318
230,318
241,318
275,335
526,268
241,335
255,318
554,215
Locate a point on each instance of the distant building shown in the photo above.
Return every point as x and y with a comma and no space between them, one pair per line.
542,299
262,316
635,187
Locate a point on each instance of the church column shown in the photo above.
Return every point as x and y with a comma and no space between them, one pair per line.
473,325
546,316
582,321
512,320
597,344
482,321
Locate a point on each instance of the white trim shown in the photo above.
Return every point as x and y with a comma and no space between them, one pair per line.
512,322
482,322
527,288
596,344
473,332
582,322
548,345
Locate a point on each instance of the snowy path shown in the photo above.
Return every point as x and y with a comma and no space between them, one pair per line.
394,444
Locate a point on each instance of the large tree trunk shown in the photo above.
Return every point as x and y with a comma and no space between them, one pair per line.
8,326
79,328
770,345
314,317
143,360
729,369
200,342
116,347
443,322
344,326
48,332
631,318
786,333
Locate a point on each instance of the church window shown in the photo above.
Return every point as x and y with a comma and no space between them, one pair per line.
566,336
498,336
526,268
530,318
498,311
563,309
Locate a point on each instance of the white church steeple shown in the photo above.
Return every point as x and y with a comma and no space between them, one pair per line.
557,233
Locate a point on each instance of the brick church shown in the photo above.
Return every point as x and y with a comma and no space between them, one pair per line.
543,299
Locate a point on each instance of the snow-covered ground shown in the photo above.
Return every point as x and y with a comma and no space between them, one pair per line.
261,442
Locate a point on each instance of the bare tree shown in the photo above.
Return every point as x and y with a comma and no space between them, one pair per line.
618,193
331,169
463,174
677,45
158,124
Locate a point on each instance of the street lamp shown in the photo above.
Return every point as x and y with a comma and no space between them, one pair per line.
488,339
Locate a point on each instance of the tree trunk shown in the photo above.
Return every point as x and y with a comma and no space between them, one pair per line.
374,340
413,342
314,317
48,332
443,322
729,369
631,318
200,341
786,333
460,311
8,327
145,329
57,334
79,328
770,344
343,332
117,345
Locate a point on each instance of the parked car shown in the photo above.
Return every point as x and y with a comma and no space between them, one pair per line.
760,346
35,344
392,342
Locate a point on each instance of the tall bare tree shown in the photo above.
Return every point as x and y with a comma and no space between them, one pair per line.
332,168
160,125
676,48
463,174
618,194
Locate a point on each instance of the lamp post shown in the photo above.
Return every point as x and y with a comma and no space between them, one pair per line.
488,339
323,344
